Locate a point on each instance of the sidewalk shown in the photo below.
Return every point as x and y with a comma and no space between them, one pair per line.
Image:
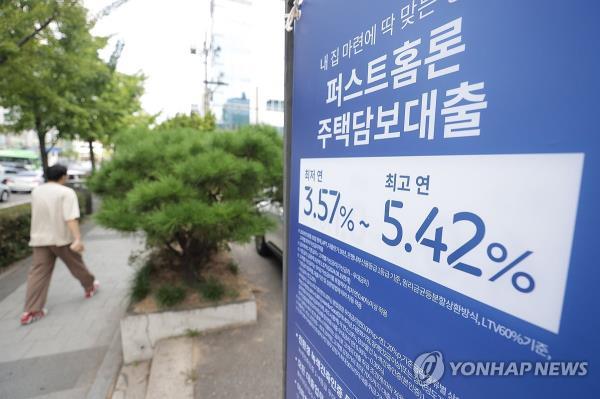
58,356
246,362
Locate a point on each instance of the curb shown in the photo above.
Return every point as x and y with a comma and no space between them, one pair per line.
172,371
141,332
109,370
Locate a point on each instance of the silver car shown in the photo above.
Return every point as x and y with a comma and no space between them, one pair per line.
272,241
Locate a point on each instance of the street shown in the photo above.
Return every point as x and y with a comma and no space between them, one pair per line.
16,199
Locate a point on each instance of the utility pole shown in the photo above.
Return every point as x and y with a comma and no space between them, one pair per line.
257,120
209,51
206,52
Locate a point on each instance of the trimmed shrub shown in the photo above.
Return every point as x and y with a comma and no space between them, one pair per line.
190,193
14,233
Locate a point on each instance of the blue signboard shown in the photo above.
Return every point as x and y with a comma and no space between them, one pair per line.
444,186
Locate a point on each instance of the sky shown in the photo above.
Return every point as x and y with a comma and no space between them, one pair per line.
158,35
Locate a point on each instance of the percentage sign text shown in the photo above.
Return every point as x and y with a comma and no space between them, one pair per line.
346,215
501,257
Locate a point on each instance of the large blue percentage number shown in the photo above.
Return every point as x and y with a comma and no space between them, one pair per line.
387,218
469,245
324,212
436,244
310,204
323,204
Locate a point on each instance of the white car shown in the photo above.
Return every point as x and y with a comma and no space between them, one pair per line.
4,192
4,189
26,181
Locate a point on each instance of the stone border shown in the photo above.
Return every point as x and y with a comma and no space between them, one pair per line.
108,372
140,333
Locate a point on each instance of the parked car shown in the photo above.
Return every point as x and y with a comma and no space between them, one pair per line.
4,192
8,172
272,241
14,166
76,178
25,181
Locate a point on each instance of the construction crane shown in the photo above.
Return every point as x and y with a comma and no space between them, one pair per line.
106,11
116,54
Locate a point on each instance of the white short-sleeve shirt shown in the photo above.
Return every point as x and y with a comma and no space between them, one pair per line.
52,205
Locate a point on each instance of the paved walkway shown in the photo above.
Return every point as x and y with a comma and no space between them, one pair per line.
246,362
58,356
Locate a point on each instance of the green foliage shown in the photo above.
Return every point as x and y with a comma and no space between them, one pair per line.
14,233
190,193
140,287
192,333
22,22
109,109
51,76
212,289
170,295
44,83
140,120
233,267
192,121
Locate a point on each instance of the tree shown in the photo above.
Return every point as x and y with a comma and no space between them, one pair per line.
190,193
106,113
22,21
140,120
205,123
44,83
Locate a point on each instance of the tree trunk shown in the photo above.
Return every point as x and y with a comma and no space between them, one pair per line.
41,133
92,155
189,272
189,269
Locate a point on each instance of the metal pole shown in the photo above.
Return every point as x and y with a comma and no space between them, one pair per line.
257,105
287,139
208,51
206,92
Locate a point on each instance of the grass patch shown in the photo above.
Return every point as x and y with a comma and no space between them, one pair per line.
212,289
191,376
192,333
170,295
140,287
233,267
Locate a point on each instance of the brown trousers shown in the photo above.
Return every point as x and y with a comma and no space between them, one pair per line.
40,273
